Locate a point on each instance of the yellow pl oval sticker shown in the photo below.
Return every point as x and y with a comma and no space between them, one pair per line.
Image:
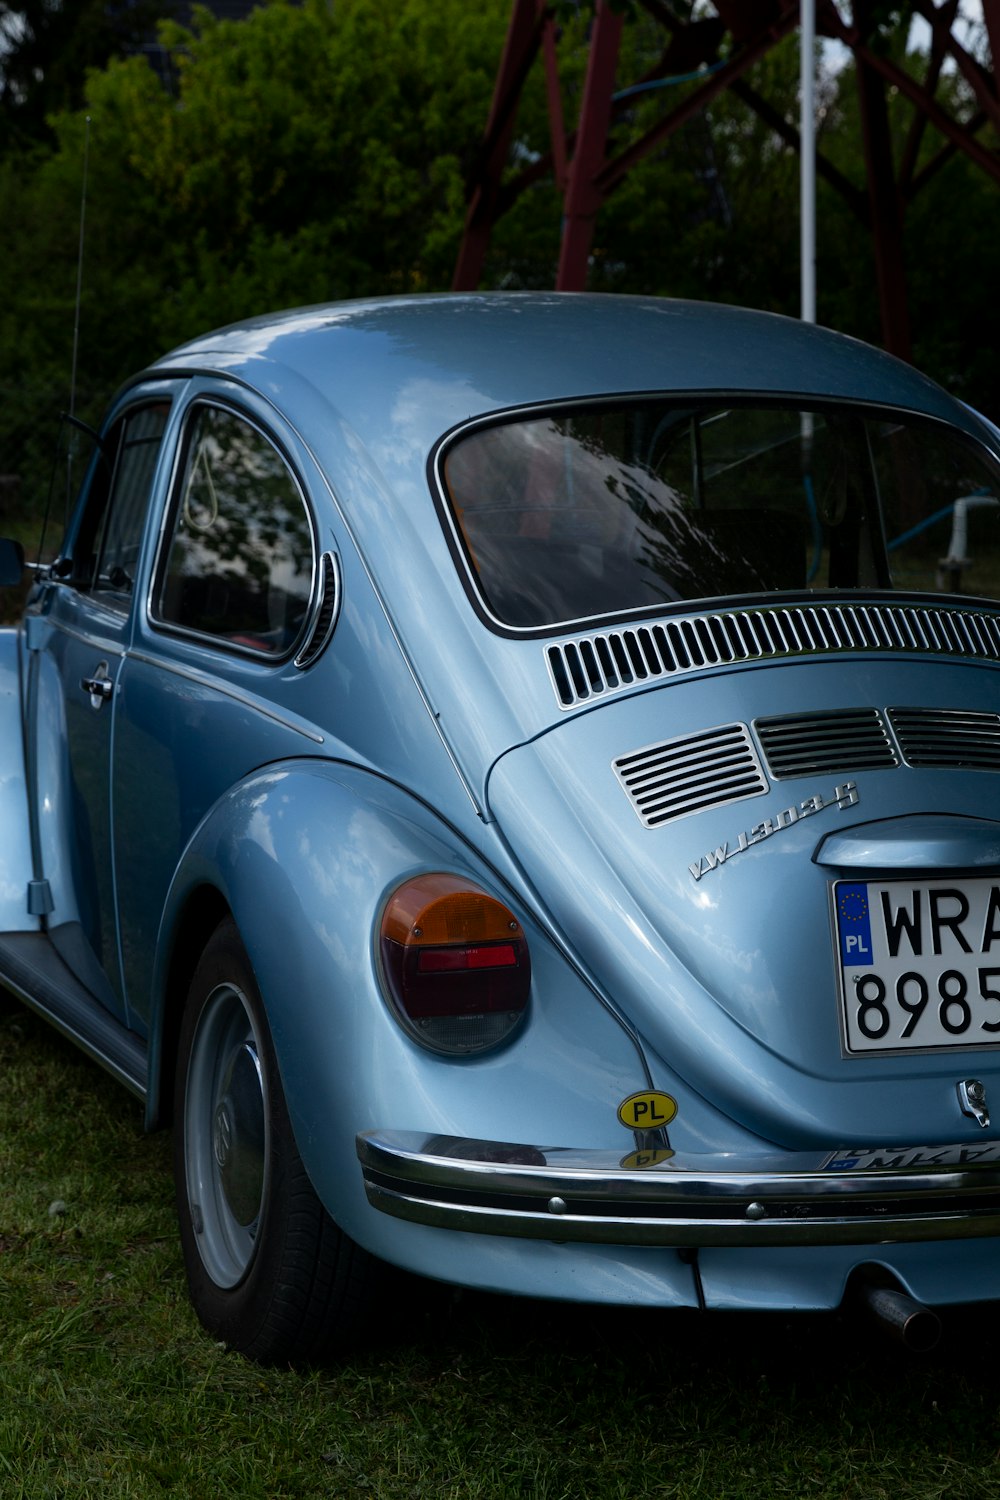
647,1110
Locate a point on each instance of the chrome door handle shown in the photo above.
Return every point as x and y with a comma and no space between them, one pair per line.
100,687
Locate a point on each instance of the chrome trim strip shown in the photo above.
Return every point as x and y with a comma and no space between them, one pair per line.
600,1197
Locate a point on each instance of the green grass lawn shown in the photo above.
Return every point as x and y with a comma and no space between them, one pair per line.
109,1387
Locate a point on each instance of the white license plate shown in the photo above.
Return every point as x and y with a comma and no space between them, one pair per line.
919,964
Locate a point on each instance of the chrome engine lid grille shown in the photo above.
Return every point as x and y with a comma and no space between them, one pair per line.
691,773
869,739
838,740
614,660
695,772
947,737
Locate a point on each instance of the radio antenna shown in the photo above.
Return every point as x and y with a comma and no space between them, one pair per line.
79,269
71,446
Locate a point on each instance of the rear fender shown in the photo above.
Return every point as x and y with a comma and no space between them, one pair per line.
304,856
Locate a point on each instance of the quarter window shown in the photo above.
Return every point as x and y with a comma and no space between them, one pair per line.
104,554
142,432
239,560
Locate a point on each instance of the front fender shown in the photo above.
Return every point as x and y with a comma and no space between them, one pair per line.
304,855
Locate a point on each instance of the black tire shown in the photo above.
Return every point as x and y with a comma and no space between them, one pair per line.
269,1272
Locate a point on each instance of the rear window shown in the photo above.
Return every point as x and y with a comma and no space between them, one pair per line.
606,510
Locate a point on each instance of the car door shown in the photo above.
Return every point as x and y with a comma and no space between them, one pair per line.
212,687
77,635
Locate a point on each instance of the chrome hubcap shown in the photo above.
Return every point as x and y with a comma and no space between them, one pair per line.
226,1135
239,1136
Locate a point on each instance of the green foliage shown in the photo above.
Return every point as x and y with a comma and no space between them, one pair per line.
46,50
311,152
950,224
307,153
317,151
714,213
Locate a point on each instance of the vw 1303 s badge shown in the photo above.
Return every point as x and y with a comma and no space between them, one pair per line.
843,797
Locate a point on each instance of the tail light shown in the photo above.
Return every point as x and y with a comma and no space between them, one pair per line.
455,962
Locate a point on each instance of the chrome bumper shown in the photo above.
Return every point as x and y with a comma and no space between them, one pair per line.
598,1197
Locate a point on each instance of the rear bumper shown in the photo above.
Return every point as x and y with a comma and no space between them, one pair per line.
651,1199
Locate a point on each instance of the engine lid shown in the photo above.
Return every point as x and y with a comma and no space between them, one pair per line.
696,870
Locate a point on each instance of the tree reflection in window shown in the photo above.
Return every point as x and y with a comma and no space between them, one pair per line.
240,561
606,510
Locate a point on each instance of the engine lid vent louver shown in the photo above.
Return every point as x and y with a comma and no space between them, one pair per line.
691,773
840,740
947,737
326,611
614,660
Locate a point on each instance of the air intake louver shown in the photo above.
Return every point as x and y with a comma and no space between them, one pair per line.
326,614
947,737
690,774
843,740
612,661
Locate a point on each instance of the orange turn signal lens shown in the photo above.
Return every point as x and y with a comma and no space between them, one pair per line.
455,962
437,908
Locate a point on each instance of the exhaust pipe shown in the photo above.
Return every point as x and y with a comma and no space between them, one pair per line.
907,1320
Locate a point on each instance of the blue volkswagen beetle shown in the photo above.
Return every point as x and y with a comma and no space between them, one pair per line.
514,779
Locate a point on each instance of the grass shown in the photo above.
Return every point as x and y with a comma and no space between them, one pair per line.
108,1385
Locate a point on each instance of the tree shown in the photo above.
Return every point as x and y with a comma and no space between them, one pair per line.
318,151
951,221
47,49
306,153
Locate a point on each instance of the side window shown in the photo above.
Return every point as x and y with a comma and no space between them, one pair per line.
239,557
130,490
106,549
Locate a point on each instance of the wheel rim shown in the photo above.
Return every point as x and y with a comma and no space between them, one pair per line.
225,1135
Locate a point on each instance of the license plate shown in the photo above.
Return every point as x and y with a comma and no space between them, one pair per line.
919,964
910,1158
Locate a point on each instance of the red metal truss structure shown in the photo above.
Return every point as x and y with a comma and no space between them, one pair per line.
722,42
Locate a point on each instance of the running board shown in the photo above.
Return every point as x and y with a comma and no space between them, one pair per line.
33,971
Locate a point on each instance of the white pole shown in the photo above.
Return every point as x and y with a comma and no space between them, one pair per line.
807,156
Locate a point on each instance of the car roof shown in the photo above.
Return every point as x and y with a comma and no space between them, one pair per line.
463,355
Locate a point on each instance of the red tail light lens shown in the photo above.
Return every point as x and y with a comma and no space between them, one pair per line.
455,962
451,960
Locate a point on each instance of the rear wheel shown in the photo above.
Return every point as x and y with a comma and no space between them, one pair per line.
269,1271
